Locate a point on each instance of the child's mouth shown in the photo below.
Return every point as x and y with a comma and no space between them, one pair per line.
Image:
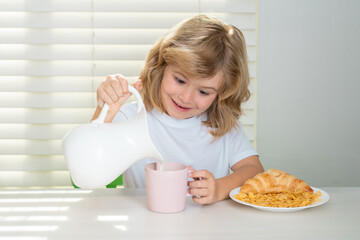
181,108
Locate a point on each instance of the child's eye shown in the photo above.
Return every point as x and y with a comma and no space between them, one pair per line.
178,80
202,92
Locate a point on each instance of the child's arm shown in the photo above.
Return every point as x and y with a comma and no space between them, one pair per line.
212,190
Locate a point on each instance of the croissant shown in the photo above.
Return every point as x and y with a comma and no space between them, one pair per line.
274,181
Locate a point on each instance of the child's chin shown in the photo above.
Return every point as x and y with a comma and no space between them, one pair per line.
181,117
177,115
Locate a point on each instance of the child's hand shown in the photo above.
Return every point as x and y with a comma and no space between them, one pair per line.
114,91
203,187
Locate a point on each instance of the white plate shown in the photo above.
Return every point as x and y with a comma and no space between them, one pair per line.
323,199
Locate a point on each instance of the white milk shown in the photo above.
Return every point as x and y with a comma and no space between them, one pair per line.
160,166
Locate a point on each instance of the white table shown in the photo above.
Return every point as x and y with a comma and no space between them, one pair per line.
122,214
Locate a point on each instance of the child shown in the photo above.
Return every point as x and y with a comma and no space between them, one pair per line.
193,84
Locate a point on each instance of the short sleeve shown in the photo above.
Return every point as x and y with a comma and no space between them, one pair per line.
239,146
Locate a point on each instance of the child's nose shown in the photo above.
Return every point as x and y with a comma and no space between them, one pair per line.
186,95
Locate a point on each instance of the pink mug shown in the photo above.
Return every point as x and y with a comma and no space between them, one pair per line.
166,189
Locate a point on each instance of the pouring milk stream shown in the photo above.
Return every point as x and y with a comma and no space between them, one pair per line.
97,153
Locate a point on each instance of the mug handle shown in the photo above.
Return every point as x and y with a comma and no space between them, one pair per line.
104,110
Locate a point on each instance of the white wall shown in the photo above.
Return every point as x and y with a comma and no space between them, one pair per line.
308,89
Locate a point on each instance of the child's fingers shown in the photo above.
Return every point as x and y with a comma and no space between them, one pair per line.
116,85
123,83
103,96
200,192
201,200
110,93
198,184
113,90
190,170
138,85
201,174
100,100
107,91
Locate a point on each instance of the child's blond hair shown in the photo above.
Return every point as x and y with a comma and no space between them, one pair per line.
201,46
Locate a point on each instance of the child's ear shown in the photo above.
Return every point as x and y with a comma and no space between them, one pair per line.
138,85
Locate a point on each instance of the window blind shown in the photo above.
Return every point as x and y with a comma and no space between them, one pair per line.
54,54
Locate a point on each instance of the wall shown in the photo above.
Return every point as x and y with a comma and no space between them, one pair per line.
308,89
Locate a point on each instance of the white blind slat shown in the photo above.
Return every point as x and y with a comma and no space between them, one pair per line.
68,68
30,147
237,6
37,178
46,100
99,5
79,36
34,131
46,116
45,5
52,83
73,52
82,52
110,20
58,84
84,36
32,163
77,68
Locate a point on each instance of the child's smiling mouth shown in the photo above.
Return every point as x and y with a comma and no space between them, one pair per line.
179,107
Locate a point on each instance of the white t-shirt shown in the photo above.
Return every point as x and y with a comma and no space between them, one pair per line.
186,141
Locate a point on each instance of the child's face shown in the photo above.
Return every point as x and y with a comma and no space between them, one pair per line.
183,97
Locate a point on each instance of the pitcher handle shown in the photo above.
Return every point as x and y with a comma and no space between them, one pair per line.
104,110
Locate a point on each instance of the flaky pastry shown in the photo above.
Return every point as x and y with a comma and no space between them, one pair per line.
274,181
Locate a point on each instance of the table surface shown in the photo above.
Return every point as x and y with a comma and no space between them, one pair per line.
122,214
